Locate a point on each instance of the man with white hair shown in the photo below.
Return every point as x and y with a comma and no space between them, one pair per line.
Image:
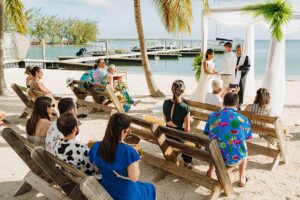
216,97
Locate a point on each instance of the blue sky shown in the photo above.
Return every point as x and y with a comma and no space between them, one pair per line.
116,17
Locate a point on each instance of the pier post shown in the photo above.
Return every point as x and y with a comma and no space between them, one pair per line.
106,51
43,51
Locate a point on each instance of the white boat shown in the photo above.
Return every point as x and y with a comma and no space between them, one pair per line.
152,45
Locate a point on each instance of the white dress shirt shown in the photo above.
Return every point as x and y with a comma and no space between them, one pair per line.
228,63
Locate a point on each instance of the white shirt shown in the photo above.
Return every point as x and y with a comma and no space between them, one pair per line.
98,75
53,135
228,63
214,99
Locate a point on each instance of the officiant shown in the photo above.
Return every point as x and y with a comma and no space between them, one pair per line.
241,71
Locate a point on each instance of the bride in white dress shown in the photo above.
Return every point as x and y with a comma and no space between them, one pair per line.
208,72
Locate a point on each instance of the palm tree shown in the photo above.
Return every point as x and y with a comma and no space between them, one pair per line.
14,10
154,91
275,12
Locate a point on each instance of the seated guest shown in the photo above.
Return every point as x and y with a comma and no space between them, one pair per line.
99,72
65,105
177,114
88,75
39,122
231,130
29,77
119,162
36,83
216,97
120,88
261,106
68,149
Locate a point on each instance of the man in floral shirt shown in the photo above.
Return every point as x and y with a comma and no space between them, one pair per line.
231,130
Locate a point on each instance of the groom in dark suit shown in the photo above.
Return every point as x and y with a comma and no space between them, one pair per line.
241,71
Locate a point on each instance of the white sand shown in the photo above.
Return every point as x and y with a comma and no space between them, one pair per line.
283,183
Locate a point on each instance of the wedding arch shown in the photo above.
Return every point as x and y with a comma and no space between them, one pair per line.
274,77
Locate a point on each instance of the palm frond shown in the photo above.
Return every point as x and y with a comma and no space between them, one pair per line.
14,9
276,12
176,15
197,64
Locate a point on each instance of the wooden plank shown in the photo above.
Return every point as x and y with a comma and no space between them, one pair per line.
140,122
167,151
275,162
44,187
114,98
180,171
94,105
221,170
98,86
281,140
192,151
43,159
201,105
197,139
142,133
93,190
216,192
262,150
24,97
24,188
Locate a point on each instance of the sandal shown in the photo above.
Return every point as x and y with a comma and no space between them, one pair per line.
247,179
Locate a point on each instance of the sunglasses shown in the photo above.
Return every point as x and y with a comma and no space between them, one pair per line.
52,105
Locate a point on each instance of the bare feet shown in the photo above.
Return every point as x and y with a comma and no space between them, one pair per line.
243,181
136,102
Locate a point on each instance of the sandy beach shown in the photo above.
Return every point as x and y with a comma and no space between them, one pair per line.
283,183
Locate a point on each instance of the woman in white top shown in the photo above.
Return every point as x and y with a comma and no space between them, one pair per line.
208,73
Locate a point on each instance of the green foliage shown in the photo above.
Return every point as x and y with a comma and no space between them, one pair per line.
176,15
14,16
197,64
275,12
54,29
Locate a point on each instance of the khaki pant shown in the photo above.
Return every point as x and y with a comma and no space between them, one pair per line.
227,79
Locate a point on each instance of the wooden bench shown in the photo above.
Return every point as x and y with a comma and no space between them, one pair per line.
28,97
102,96
271,126
170,148
22,93
46,178
81,185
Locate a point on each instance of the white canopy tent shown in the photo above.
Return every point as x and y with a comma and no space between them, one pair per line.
274,77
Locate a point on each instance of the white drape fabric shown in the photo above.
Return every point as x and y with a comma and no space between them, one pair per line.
249,51
274,78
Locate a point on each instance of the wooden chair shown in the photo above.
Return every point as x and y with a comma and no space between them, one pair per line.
76,184
102,96
35,178
271,126
170,148
22,93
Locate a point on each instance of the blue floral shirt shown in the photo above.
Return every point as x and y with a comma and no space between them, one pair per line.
231,130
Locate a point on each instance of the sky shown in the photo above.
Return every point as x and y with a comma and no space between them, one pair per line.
116,18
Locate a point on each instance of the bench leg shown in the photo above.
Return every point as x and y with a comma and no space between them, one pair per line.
24,188
24,115
215,193
160,175
275,162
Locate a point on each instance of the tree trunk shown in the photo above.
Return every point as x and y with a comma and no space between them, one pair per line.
3,89
154,91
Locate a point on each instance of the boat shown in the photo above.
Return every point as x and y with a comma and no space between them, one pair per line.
152,45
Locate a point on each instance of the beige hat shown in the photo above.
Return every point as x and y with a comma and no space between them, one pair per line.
217,84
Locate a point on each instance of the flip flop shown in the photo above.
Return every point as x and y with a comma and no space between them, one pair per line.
243,184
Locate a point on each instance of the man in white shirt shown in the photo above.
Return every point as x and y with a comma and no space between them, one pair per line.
65,105
100,72
228,66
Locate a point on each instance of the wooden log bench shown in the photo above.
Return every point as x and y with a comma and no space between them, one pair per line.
170,148
22,93
81,187
45,177
270,125
102,95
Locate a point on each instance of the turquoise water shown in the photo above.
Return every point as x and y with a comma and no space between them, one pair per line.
182,66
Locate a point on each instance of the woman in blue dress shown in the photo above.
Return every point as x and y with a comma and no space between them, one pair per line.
119,163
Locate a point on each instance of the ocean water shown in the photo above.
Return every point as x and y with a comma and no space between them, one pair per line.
183,65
